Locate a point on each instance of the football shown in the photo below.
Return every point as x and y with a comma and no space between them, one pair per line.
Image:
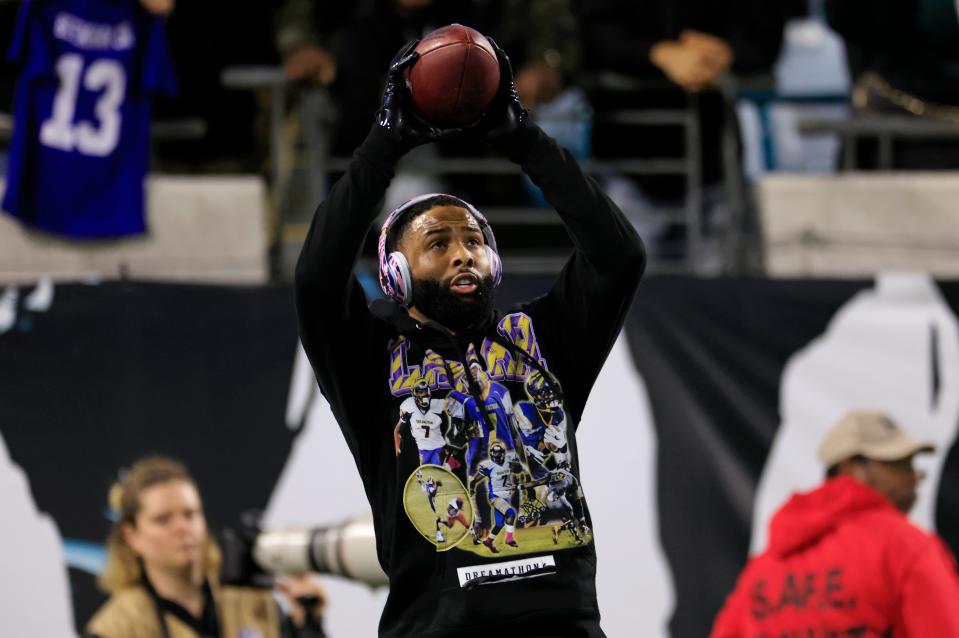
455,78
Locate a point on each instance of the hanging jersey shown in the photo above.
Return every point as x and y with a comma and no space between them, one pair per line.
78,157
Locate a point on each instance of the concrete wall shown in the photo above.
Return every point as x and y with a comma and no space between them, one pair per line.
202,229
854,225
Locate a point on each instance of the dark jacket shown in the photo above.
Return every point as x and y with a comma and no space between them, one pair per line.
228,612
913,45
618,34
842,561
367,361
364,35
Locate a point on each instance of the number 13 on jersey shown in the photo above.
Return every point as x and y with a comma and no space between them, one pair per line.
97,139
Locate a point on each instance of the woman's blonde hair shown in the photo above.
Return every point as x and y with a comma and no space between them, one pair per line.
123,567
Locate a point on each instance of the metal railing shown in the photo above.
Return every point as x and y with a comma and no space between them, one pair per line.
886,129
317,116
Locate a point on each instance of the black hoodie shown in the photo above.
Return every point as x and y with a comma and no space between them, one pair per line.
507,420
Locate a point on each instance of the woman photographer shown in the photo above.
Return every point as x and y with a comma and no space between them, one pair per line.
162,570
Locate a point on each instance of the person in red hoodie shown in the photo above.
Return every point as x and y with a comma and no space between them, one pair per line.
843,560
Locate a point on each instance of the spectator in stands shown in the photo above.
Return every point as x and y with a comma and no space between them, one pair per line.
675,49
159,7
542,37
904,58
206,38
346,47
162,569
843,559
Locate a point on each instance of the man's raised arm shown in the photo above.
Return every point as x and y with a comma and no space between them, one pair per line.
331,306
328,297
599,230
588,303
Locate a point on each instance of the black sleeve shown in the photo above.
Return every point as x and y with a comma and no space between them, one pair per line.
578,321
755,31
336,327
883,37
873,25
619,37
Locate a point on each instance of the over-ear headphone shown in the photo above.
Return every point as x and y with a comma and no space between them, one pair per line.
395,277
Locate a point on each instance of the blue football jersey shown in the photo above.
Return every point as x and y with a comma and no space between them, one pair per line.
534,436
498,410
80,147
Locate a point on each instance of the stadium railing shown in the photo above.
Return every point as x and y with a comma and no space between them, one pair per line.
885,129
317,116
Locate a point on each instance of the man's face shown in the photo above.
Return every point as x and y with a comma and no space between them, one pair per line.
896,480
446,251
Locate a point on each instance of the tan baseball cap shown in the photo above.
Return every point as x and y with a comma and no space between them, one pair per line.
870,434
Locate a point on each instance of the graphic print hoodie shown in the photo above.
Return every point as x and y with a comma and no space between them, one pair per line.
466,444
843,562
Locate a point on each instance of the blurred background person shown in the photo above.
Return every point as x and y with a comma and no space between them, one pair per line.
843,559
162,570
226,131
159,7
677,53
904,58
346,47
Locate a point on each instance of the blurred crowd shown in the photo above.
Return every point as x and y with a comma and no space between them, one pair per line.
904,59
554,44
675,54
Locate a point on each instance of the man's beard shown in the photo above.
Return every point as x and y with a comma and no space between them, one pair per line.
437,301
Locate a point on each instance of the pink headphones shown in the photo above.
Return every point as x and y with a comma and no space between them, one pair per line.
395,277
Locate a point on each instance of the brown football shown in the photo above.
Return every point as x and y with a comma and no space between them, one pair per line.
455,78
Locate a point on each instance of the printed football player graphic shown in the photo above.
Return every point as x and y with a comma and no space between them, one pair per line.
436,500
500,471
454,515
429,485
425,418
494,420
564,502
458,434
542,425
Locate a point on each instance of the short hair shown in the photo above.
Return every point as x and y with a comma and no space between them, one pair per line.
399,226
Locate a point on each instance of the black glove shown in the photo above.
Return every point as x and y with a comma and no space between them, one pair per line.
506,114
395,114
